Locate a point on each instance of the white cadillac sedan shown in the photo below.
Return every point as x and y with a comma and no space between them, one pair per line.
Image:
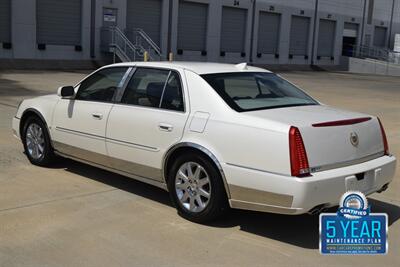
213,135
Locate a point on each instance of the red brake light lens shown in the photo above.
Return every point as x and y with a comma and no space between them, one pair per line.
298,155
385,142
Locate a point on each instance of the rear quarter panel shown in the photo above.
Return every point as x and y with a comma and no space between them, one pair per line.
233,137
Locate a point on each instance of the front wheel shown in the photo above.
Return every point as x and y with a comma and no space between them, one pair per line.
36,141
196,188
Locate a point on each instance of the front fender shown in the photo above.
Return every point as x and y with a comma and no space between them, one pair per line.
43,107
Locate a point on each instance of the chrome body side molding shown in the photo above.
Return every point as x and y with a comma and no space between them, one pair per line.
115,141
240,193
245,205
130,175
137,171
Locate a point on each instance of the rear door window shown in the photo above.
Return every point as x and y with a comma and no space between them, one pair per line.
154,88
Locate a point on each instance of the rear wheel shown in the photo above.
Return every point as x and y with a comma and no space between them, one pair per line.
36,141
196,188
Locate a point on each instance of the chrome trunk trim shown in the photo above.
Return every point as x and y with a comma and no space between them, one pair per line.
346,163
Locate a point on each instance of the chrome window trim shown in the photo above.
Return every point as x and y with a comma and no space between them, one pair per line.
163,90
120,92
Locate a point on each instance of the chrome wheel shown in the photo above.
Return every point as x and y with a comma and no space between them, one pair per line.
35,141
193,187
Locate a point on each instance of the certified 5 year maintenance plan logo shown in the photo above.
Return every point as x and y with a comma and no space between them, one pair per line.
353,229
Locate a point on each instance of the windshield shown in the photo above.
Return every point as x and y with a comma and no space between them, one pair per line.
247,91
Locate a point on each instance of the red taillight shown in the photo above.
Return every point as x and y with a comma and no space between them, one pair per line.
298,154
384,139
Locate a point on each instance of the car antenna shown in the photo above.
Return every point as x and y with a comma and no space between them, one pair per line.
241,66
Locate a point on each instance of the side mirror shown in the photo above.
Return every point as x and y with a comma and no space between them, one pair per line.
66,91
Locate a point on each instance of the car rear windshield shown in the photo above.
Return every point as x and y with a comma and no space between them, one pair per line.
248,91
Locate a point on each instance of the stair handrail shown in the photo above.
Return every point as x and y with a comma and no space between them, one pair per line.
126,57
122,35
128,50
148,39
380,53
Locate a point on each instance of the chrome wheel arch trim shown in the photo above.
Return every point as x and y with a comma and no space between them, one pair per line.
37,113
201,149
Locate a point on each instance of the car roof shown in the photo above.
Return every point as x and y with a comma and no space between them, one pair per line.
197,67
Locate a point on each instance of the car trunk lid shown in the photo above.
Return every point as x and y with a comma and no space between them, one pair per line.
332,137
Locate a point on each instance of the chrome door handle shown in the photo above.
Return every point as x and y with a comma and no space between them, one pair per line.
165,127
97,116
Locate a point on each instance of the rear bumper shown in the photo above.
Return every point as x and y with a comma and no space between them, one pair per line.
263,191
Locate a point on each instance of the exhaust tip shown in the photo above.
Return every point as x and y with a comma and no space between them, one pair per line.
317,209
384,188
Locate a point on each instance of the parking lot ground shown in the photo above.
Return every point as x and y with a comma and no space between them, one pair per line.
76,215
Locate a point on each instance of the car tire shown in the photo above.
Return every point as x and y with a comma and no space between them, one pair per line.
198,196
36,141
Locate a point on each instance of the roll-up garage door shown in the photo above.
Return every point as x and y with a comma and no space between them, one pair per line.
350,30
299,35
380,36
145,15
326,38
268,32
5,21
58,22
192,26
233,29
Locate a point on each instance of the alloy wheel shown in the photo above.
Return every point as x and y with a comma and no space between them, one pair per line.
193,187
35,141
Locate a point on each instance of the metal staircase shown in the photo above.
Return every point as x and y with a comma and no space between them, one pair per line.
376,53
114,41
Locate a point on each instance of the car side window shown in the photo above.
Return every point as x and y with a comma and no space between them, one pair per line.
145,87
102,85
154,88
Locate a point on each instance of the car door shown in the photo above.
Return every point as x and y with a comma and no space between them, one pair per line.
79,124
149,119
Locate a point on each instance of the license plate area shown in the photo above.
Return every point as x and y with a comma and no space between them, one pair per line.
360,176
363,182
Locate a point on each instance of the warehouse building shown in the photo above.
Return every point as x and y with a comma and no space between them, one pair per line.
285,32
